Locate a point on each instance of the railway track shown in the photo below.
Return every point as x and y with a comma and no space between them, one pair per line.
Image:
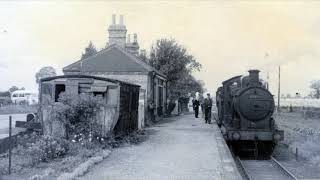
264,170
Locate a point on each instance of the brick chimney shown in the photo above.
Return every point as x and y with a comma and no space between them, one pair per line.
133,47
117,32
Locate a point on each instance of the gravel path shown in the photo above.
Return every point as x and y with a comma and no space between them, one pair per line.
180,148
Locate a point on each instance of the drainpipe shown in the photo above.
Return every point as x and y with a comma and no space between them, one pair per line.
153,74
166,97
153,83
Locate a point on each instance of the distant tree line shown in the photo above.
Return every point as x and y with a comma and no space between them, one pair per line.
314,93
315,86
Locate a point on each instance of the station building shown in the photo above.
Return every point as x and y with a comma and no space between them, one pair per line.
120,61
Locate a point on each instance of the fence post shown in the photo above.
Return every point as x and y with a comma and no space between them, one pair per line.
10,141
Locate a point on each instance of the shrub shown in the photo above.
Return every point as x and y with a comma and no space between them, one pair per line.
42,148
78,114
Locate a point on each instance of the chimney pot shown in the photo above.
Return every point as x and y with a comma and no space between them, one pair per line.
121,19
113,19
129,38
135,38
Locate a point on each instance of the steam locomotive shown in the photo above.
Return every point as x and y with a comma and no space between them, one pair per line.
245,108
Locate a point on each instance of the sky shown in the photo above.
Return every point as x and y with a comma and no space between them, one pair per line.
227,38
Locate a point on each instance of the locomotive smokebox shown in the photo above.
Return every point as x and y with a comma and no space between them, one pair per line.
254,76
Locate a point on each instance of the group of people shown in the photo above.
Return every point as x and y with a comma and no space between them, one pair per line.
205,104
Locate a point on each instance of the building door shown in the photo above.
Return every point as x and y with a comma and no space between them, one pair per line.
160,101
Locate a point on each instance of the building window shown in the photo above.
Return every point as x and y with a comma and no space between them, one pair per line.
60,88
99,94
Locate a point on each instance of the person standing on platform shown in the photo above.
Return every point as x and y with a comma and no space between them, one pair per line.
201,101
196,104
151,108
207,108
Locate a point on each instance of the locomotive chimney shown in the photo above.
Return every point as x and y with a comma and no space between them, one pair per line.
254,76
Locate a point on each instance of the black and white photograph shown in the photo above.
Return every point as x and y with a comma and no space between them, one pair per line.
159,90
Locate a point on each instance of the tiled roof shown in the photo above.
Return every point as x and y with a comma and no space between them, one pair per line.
111,59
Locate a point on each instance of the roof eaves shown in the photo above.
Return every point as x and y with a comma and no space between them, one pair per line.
86,76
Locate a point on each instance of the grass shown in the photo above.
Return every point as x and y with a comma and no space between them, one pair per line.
18,109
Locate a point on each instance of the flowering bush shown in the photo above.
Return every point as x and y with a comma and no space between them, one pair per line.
78,114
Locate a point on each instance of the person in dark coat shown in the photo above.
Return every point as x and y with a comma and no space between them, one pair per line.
151,108
207,108
201,100
196,104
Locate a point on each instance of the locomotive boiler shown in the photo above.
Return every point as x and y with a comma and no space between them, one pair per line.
245,108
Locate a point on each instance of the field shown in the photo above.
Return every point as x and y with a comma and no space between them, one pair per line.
18,109
302,136
300,102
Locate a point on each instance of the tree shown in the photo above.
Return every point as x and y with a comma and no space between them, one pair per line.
143,56
44,72
89,51
13,88
177,64
4,94
186,84
315,85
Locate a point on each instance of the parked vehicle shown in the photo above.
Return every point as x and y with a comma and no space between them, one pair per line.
24,96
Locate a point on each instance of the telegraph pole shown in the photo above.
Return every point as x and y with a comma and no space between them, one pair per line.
10,143
268,80
266,56
279,91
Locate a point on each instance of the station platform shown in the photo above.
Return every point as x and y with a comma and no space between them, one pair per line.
181,147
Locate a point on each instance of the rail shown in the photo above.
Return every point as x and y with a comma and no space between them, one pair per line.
284,169
264,169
